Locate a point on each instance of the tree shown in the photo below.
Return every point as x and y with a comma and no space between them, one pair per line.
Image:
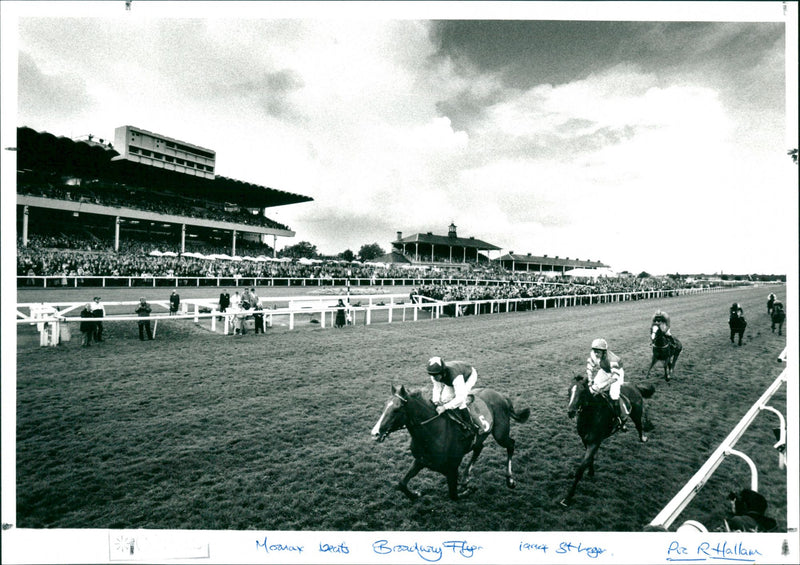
347,255
370,252
643,275
301,249
793,154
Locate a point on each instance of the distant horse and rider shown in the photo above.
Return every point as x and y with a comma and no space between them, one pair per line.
596,421
439,443
666,348
737,322
778,316
665,351
770,301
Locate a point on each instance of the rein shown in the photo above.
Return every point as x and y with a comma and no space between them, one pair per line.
405,400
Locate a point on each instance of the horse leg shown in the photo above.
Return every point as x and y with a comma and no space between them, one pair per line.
652,363
402,486
452,482
637,415
587,462
468,471
509,443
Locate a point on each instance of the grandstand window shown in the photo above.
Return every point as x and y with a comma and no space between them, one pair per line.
179,161
132,149
168,159
146,152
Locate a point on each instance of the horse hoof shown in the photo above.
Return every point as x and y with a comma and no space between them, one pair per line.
644,439
511,483
566,503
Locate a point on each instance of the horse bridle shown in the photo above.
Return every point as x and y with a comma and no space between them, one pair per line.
405,400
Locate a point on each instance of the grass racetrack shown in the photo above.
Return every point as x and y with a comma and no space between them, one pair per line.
272,432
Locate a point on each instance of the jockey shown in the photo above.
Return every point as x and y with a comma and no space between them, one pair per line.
452,383
604,372
735,309
661,319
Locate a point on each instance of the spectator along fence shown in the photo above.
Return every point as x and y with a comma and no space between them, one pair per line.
681,500
53,319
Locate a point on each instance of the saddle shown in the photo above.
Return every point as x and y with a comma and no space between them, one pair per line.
479,412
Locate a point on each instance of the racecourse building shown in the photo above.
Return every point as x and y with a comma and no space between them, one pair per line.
146,185
544,264
431,248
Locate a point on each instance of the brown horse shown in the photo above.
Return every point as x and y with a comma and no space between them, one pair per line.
665,351
438,443
596,421
778,317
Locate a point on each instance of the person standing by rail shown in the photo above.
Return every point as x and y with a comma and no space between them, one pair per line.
143,311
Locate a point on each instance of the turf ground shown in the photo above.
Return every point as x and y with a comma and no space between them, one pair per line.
271,432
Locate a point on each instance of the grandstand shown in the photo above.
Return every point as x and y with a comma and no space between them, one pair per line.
447,250
86,186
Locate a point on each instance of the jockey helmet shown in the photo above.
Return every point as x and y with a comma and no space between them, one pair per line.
435,366
600,343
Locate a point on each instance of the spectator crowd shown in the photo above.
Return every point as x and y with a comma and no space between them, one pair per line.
68,256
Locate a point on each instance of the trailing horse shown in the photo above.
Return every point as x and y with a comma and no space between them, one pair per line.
596,421
737,324
439,443
664,350
778,317
770,301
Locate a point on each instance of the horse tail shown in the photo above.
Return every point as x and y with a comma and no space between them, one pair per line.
646,391
521,416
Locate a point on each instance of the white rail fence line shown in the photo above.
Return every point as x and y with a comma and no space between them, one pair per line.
681,500
166,281
49,316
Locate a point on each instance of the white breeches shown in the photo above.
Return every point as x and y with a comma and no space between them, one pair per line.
450,397
602,382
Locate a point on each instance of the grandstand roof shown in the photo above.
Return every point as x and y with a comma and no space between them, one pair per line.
431,239
554,261
43,151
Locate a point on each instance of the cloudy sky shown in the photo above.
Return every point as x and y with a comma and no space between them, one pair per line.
649,144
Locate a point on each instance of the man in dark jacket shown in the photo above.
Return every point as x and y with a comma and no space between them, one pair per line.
98,311
87,328
224,300
143,310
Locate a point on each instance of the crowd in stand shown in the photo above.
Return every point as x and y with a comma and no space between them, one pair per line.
107,194
71,256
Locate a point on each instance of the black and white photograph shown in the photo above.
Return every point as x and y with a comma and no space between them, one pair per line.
399,282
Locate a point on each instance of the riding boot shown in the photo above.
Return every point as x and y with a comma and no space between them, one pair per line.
466,417
620,410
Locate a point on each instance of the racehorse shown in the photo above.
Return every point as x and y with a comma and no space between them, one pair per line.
438,443
737,324
778,317
664,351
596,421
770,302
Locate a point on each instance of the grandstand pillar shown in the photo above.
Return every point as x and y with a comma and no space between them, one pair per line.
233,244
183,238
25,213
116,233
274,246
